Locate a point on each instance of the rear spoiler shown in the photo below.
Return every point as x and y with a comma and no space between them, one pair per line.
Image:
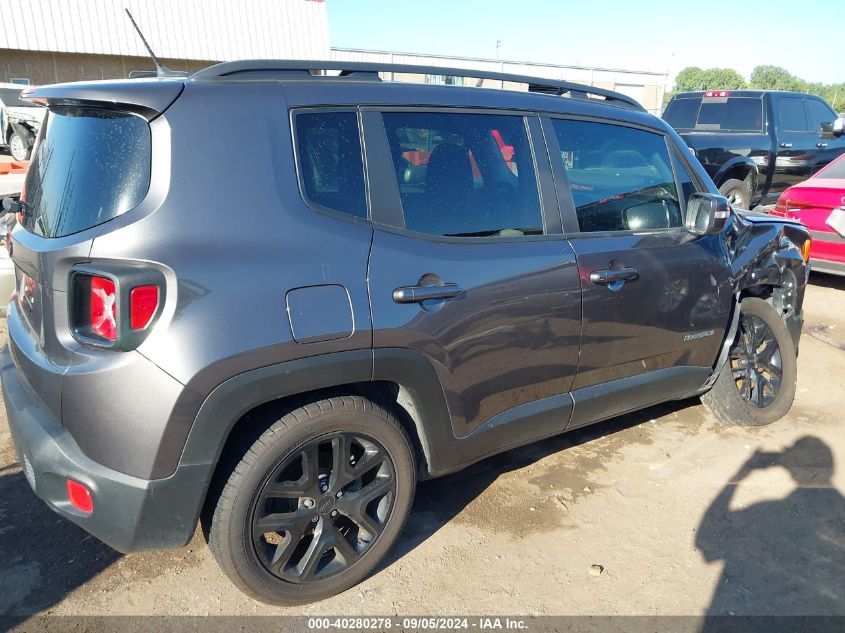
149,98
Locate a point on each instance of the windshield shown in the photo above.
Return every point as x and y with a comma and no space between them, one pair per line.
11,98
90,166
737,114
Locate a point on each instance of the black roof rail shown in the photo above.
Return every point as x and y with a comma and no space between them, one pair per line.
369,71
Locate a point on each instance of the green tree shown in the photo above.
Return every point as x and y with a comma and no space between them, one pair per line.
695,78
763,77
776,78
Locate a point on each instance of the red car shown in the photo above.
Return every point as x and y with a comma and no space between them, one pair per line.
819,203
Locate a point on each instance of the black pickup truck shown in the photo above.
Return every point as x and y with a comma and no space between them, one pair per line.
756,143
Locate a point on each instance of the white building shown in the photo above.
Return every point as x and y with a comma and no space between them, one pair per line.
49,41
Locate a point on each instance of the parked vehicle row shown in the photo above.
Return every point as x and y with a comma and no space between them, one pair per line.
754,144
19,121
401,291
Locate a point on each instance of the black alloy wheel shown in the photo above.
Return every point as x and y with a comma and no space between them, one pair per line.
323,507
756,362
756,384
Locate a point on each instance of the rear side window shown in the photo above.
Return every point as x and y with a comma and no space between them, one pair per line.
621,178
464,175
331,170
91,165
792,116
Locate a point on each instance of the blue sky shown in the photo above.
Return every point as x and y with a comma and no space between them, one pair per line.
642,34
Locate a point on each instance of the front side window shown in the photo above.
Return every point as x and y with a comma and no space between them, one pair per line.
331,170
821,116
621,178
464,175
792,116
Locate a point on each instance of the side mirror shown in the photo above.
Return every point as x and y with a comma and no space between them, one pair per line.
839,126
706,213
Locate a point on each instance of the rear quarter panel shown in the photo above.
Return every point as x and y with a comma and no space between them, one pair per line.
234,236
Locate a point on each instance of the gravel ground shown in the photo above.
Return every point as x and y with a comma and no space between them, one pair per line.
651,513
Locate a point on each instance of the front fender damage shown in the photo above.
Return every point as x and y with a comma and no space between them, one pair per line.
766,262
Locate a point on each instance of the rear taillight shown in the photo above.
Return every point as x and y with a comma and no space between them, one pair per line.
143,303
103,308
115,307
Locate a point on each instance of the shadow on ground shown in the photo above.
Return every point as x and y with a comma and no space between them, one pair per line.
783,557
43,557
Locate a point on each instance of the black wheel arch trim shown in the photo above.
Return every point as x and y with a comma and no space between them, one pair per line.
235,397
739,161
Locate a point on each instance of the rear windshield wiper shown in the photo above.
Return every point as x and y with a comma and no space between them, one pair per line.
10,205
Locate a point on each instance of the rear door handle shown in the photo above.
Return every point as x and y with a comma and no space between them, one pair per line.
418,294
786,145
609,276
821,144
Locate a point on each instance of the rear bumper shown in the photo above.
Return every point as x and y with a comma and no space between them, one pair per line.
129,513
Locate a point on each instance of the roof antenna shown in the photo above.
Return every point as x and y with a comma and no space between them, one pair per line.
161,69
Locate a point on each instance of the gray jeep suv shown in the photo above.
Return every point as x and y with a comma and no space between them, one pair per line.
390,282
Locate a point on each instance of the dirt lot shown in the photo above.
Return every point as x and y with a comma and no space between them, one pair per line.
652,498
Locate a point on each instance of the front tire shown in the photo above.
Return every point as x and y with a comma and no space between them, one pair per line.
756,385
737,193
315,503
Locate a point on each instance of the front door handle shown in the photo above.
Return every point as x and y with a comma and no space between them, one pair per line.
821,144
786,145
418,294
611,276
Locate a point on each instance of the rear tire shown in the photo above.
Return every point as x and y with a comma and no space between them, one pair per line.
737,193
315,503
19,147
748,391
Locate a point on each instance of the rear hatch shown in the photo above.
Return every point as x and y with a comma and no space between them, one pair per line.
91,164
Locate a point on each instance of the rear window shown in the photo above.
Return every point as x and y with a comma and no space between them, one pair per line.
681,114
737,114
835,170
11,98
91,165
